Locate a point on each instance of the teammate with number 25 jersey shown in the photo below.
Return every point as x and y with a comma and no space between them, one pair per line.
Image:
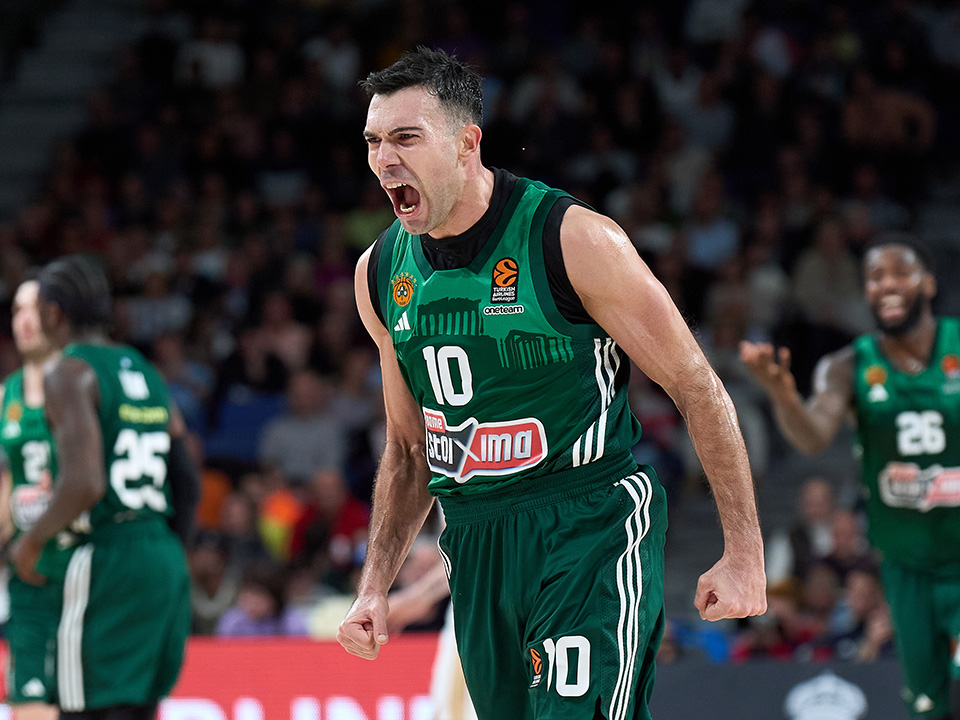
126,608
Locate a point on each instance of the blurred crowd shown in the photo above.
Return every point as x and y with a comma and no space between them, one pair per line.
751,150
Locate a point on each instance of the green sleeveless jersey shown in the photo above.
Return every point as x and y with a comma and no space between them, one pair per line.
32,462
909,432
508,388
134,412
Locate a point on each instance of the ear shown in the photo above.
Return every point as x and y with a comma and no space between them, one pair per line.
930,284
470,136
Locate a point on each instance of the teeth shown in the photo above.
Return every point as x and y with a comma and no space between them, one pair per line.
395,185
407,208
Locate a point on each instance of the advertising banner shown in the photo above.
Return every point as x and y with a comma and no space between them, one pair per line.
290,679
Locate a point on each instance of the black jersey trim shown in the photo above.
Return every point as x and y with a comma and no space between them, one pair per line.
377,274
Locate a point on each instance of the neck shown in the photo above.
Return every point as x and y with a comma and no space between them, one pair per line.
33,370
470,207
913,348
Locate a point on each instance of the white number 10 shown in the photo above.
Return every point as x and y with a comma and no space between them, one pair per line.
559,654
441,377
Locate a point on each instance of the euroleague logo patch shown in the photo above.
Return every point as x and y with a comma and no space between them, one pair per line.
503,288
950,364
537,662
403,285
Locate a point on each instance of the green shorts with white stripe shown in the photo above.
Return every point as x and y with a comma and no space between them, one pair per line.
126,616
558,596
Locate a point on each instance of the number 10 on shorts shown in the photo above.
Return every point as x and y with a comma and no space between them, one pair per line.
568,665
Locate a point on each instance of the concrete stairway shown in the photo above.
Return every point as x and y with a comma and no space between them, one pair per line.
47,100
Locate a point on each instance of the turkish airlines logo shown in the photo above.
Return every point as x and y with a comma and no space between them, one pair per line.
475,448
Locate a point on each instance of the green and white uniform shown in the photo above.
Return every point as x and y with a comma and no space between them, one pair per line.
126,604
554,536
909,432
34,611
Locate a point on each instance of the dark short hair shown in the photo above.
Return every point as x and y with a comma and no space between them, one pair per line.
454,83
79,286
908,241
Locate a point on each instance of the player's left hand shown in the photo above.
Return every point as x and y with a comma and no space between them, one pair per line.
735,587
24,555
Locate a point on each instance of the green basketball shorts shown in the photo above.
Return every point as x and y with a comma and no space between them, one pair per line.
925,610
32,634
126,616
558,596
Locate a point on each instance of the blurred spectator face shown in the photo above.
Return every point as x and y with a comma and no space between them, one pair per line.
864,593
848,540
709,201
329,488
830,239
276,310
816,501
821,589
237,516
308,394
31,343
256,602
168,350
207,565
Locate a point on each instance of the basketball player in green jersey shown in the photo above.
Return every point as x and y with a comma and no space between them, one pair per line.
126,598
28,486
902,382
506,316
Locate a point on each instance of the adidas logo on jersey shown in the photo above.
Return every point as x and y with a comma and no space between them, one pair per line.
403,323
33,688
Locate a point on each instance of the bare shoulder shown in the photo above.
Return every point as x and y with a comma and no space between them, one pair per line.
587,230
599,258
68,379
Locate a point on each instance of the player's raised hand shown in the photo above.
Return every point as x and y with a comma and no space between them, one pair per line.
735,587
364,629
771,367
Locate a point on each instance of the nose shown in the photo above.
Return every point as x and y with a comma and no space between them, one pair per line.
387,156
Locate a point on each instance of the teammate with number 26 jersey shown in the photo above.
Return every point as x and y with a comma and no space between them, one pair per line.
909,430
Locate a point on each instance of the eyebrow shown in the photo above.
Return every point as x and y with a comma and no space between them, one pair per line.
395,131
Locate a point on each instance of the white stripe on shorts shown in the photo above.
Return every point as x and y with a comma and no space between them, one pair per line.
76,594
630,588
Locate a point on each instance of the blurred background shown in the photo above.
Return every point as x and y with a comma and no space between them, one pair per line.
210,153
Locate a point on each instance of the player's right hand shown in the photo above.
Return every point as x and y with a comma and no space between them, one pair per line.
770,367
364,629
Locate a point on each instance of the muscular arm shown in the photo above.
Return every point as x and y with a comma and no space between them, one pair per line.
400,500
71,397
812,425
182,476
623,296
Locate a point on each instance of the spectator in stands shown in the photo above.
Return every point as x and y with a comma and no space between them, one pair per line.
330,536
827,287
261,608
215,582
862,630
790,553
308,435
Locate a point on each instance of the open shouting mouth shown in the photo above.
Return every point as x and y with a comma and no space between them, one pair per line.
405,198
